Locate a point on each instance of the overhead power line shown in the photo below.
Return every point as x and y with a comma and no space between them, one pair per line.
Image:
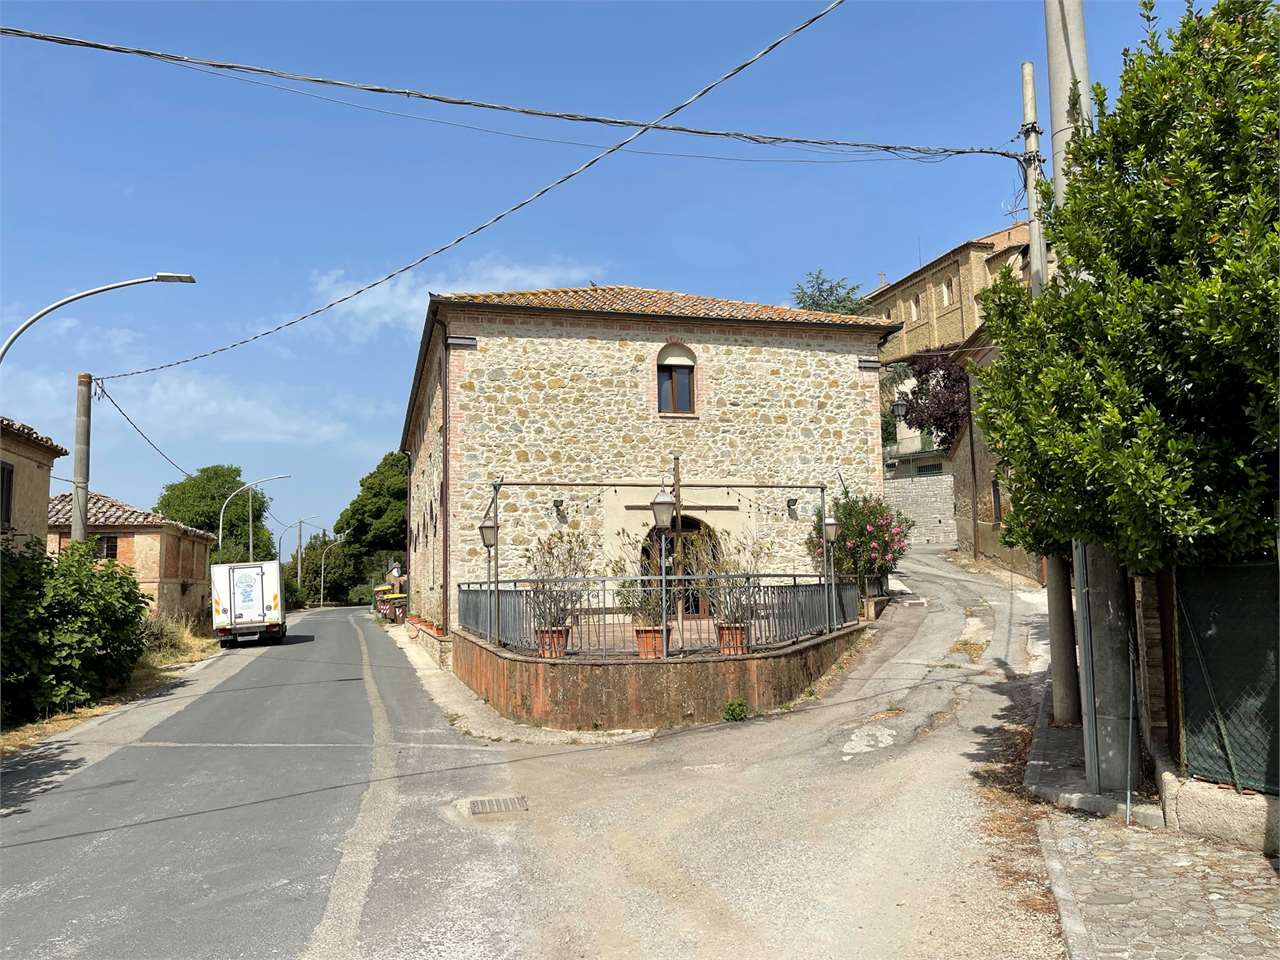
581,168
901,150
862,157
103,390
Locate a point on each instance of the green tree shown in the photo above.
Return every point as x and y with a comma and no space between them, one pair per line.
819,292
374,524
1135,402
196,501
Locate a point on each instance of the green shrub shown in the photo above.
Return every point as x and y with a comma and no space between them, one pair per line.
73,628
872,536
735,710
361,595
161,635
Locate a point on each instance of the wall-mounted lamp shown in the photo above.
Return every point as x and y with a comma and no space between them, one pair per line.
558,505
791,507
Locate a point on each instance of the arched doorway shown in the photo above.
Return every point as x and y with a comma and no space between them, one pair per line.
689,540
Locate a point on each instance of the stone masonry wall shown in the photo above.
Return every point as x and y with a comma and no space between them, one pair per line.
930,502
547,398
425,532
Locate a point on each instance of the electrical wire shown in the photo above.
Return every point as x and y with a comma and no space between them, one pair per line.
904,150
103,392
529,137
581,168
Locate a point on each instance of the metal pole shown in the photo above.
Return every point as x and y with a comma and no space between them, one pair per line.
662,569
80,476
1068,69
497,535
826,549
299,559
1084,630
1031,160
678,534
251,526
22,328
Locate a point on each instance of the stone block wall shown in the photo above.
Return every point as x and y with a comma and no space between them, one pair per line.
544,397
930,502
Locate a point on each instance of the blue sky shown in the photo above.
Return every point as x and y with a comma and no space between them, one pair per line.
115,167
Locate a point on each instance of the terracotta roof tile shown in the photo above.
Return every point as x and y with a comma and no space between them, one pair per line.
107,511
29,433
659,303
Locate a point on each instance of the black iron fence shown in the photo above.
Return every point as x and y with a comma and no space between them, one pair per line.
729,613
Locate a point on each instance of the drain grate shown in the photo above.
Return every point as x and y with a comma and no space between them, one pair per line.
498,805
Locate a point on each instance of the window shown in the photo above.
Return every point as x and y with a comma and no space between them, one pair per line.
948,291
915,308
997,509
675,379
888,314
928,469
6,495
108,546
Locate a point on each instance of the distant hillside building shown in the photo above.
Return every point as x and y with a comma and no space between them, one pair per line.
26,458
937,306
170,559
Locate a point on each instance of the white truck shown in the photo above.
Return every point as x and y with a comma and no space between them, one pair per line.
248,603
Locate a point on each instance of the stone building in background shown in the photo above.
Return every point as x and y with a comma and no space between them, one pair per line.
603,385
170,560
26,458
954,495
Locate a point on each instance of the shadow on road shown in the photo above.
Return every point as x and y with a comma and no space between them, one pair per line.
31,773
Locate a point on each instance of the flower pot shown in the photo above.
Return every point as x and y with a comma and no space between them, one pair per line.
438,631
732,637
649,642
552,641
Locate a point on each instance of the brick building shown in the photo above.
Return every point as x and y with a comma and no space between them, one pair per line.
603,384
26,458
170,560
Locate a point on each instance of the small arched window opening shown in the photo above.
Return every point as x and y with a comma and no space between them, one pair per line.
948,291
675,379
915,308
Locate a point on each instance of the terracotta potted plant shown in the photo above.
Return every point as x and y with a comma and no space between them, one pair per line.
638,593
724,567
558,565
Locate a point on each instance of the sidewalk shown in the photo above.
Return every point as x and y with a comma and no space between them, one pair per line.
1127,892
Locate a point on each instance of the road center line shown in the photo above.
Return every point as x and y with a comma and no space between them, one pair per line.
337,936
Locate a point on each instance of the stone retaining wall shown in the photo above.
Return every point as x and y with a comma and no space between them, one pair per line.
930,501
614,693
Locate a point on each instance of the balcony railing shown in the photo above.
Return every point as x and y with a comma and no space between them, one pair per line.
732,613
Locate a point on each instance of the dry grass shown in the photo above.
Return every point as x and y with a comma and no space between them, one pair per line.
970,648
1013,812
153,669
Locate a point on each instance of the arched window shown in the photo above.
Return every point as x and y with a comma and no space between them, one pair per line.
915,308
675,379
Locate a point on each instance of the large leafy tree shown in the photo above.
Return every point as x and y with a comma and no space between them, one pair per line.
820,292
939,402
196,501
1135,401
374,525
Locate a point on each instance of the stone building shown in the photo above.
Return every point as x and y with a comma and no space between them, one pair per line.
26,458
603,385
937,306
170,560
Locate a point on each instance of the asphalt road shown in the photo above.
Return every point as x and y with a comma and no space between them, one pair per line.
291,801
304,801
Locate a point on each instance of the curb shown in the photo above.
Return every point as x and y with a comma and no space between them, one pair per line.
1101,805
1074,933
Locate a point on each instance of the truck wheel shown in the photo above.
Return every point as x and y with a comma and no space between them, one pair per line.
226,643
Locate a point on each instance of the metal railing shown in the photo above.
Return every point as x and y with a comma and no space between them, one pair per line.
732,613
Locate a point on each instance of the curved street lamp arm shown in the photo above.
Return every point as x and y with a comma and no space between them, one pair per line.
22,328
252,483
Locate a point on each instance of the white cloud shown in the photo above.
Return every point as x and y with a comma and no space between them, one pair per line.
400,305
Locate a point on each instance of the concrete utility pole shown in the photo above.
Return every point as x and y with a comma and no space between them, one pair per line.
1068,69
1062,640
80,476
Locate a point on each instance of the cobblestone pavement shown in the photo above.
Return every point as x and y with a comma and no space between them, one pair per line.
1127,893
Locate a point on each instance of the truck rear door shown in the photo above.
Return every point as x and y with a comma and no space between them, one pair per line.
248,605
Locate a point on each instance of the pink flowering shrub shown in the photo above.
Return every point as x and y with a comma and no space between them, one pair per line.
872,537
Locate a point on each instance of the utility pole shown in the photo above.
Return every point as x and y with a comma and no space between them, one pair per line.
80,476
1062,640
299,559
1068,70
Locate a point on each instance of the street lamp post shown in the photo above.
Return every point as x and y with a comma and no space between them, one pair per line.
830,530
298,557
323,554
663,506
253,483
489,537
155,278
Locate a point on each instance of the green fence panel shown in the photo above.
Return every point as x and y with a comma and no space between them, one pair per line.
1229,636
